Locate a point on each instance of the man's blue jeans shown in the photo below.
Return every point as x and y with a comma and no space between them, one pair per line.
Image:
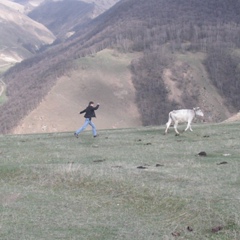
87,122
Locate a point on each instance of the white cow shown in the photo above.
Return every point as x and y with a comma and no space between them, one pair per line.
181,116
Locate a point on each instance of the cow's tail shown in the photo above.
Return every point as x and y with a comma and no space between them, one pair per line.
170,119
168,122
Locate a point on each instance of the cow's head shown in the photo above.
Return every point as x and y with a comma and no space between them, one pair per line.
198,112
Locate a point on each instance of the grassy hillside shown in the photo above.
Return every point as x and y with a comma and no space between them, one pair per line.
56,186
105,78
3,97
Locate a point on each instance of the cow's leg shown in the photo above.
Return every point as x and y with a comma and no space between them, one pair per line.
175,127
188,126
168,125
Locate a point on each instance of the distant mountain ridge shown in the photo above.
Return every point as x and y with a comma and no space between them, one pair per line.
65,17
62,17
21,37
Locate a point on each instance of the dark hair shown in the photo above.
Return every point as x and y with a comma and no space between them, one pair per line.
91,102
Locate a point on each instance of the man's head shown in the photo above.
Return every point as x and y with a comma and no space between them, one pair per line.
91,103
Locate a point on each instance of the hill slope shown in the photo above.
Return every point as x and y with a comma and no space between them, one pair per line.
162,31
104,78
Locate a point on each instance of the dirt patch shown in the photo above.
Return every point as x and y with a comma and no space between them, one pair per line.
174,93
9,199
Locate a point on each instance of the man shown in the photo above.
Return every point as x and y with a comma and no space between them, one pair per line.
89,114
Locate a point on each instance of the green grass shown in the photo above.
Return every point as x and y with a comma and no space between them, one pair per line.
108,61
3,96
54,186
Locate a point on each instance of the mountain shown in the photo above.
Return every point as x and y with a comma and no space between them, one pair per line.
100,5
185,53
21,37
63,18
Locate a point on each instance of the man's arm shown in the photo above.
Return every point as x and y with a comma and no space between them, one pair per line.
95,108
83,111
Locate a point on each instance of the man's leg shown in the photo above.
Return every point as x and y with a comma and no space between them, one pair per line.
83,127
94,130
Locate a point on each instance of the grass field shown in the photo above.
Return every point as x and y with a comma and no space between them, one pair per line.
54,186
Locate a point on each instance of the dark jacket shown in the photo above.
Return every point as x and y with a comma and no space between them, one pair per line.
89,111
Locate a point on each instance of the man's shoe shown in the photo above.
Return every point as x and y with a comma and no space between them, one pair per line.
76,135
95,136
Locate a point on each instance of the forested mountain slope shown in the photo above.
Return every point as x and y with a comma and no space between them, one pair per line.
190,57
